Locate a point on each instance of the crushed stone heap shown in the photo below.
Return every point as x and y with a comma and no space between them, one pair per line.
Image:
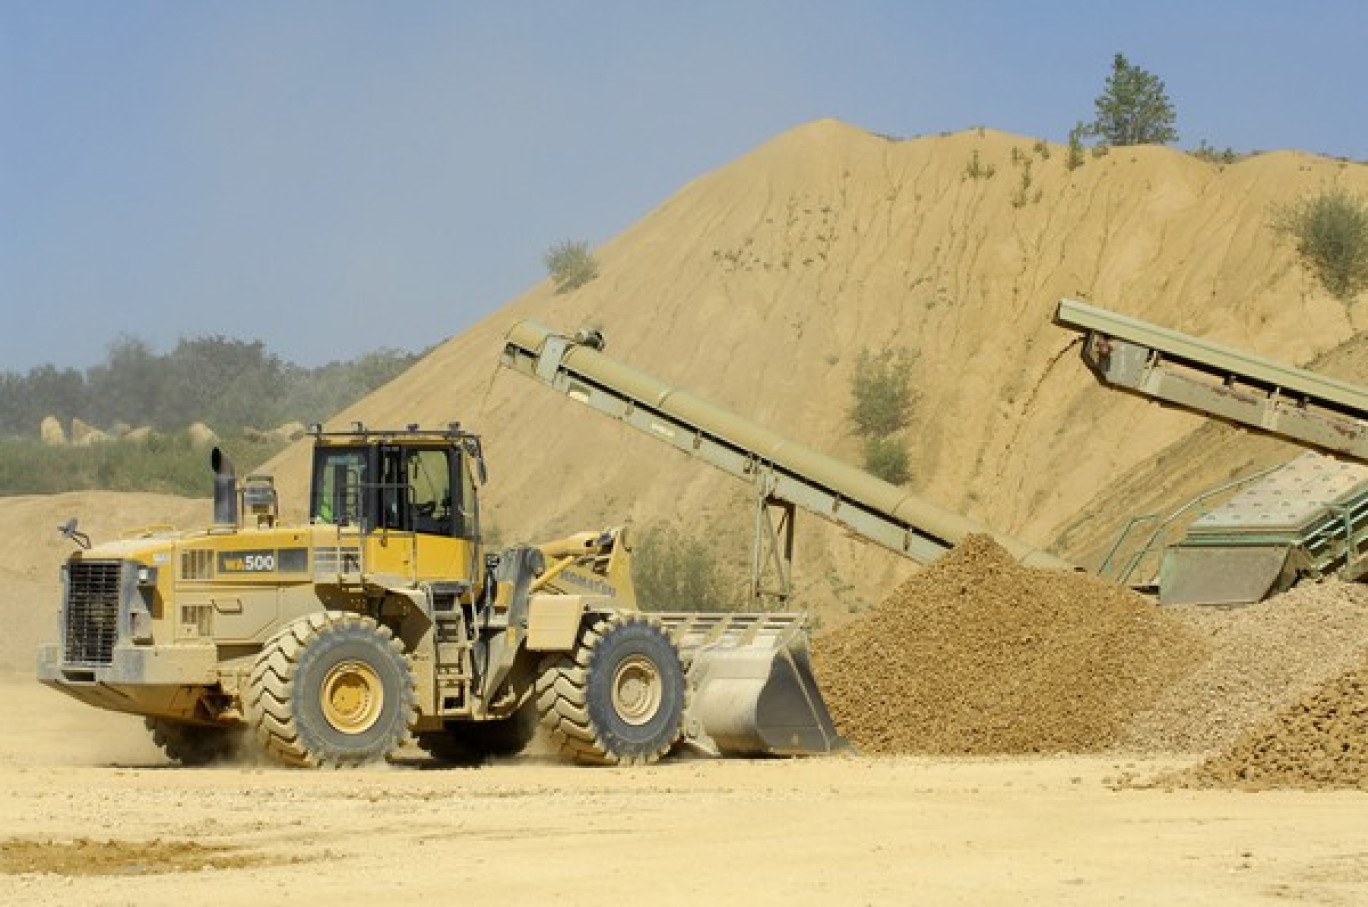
979,655
1263,656
1319,741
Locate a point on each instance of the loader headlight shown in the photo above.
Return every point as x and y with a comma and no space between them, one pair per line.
147,576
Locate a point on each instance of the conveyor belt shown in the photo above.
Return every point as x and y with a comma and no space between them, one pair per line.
782,469
1221,382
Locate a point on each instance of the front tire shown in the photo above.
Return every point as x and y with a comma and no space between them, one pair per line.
619,698
332,689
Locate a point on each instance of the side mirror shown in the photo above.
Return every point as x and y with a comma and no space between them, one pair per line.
69,531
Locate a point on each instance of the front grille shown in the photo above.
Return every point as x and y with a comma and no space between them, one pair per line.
92,611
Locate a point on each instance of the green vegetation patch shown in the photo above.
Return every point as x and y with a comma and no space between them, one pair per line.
227,384
570,265
882,403
169,464
1330,230
674,570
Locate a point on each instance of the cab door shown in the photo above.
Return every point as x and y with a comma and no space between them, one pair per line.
436,511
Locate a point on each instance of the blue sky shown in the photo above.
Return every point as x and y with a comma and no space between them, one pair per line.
333,177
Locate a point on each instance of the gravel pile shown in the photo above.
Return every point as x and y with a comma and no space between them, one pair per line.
1320,741
1262,657
978,654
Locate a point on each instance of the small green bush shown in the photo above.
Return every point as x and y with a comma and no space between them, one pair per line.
571,265
977,170
676,571
883,403
1330,230
1022,194
1213,155
1073,156
887,458
882,388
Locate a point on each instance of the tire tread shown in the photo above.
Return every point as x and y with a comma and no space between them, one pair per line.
562,698
269,700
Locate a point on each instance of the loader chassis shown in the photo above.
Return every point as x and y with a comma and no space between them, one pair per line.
333,642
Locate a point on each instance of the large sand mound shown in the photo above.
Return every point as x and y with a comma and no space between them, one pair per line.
758,285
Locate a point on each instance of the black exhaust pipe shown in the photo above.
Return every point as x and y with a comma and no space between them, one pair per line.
225,490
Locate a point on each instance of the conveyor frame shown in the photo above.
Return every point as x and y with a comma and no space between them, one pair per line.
785,473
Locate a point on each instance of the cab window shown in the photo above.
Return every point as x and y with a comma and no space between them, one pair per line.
429,491
339,477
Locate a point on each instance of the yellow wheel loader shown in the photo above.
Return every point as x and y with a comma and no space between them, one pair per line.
384,620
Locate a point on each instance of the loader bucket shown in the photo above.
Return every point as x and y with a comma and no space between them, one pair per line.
752,690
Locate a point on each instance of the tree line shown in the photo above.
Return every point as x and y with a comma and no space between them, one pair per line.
227,383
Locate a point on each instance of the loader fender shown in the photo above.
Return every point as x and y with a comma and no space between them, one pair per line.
553,621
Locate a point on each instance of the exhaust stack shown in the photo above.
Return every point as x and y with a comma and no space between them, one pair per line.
225,490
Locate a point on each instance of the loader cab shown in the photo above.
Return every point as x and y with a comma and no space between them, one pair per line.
416,481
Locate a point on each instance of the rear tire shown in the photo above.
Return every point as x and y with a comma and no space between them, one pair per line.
194,745
332,689
619,698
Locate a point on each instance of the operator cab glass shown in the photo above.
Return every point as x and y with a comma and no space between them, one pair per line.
340,474
400,488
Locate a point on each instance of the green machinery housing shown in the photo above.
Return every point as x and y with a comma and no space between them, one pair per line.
1307,517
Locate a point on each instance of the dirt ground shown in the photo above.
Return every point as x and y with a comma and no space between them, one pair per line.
91,814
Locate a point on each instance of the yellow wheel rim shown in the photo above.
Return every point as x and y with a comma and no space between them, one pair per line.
352,697
637,690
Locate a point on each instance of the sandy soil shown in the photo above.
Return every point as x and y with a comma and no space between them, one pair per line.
822,831
30,588
91,813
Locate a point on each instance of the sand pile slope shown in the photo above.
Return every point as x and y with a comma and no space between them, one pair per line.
980,655
758,285
1320,741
